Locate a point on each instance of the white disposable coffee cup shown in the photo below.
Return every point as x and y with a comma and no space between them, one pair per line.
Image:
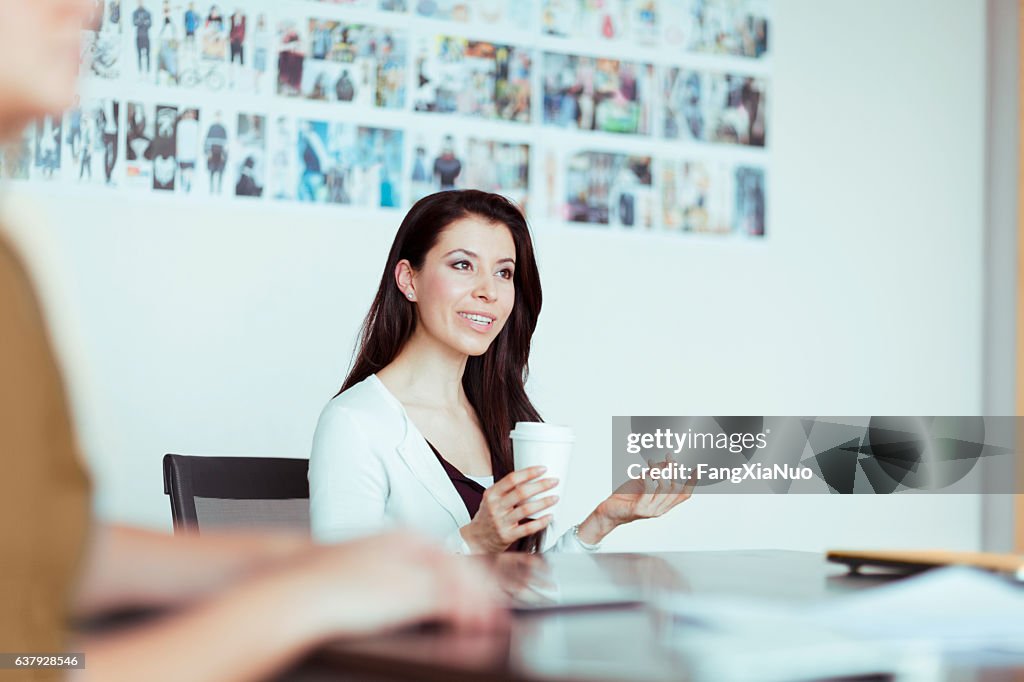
548,445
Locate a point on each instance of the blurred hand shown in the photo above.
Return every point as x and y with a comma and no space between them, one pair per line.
525,577
644,499
499,520
393,580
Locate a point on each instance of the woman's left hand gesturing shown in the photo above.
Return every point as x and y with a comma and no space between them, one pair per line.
634,500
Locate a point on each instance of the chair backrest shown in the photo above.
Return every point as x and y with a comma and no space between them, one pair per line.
236,492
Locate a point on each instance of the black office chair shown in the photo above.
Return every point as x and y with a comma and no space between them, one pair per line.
236,492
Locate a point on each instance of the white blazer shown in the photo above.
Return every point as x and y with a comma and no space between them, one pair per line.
370,469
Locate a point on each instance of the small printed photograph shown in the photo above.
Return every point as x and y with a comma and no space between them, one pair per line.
726,27
499,167
261,42
168,48
634,21
144,18
48,148
101,41
697,197
140,126
454,162
16,157
750,201
473,78
713,197
91,130
212,36
684,105
163,148
517,14
329,60
248,154
341,163
187,148
334,82
588,93
284,178
714,107
291,57
609,189
216,141
436,166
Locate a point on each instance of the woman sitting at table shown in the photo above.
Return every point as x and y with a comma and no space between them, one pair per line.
419,433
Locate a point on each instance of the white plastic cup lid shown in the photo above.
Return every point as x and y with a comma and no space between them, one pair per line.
551,433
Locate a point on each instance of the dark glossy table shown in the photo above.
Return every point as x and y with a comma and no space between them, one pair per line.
620,643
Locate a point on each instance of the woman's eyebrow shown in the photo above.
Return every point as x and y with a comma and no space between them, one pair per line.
473,255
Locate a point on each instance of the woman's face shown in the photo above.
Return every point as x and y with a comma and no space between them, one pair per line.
39,48
465,291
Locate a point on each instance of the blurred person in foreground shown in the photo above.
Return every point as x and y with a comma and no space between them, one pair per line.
246,605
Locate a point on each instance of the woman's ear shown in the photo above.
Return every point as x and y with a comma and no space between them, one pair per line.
404,279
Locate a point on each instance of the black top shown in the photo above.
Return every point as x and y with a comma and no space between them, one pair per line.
469,490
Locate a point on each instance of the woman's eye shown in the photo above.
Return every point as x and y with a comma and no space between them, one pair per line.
458,265
506,273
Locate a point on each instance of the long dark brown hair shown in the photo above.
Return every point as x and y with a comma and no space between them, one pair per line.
494,381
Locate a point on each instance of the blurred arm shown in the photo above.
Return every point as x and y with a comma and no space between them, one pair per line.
265,622
131,567
248,633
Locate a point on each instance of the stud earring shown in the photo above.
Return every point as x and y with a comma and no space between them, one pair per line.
409,295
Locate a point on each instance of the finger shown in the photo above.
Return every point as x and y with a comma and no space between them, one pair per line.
445,576
680,498
691,483
487,603
684,489
542,584
666,486
525,492
674,501
471,604
646,503
461,610
663,487
666,502
515,478
530,508
673,486
531,527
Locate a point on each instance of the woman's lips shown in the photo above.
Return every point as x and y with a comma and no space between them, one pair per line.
478,326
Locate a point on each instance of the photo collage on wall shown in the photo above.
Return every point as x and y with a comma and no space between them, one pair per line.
643,115
457,161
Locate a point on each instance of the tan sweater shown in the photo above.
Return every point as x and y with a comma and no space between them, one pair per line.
44,491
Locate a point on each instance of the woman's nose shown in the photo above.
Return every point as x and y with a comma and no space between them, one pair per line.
486,288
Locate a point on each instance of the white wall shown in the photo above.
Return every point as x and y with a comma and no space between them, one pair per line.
220,329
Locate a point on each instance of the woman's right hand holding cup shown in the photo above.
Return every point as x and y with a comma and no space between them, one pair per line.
505,505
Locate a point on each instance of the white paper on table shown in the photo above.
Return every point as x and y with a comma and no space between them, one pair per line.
901,628
726,639
955,608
